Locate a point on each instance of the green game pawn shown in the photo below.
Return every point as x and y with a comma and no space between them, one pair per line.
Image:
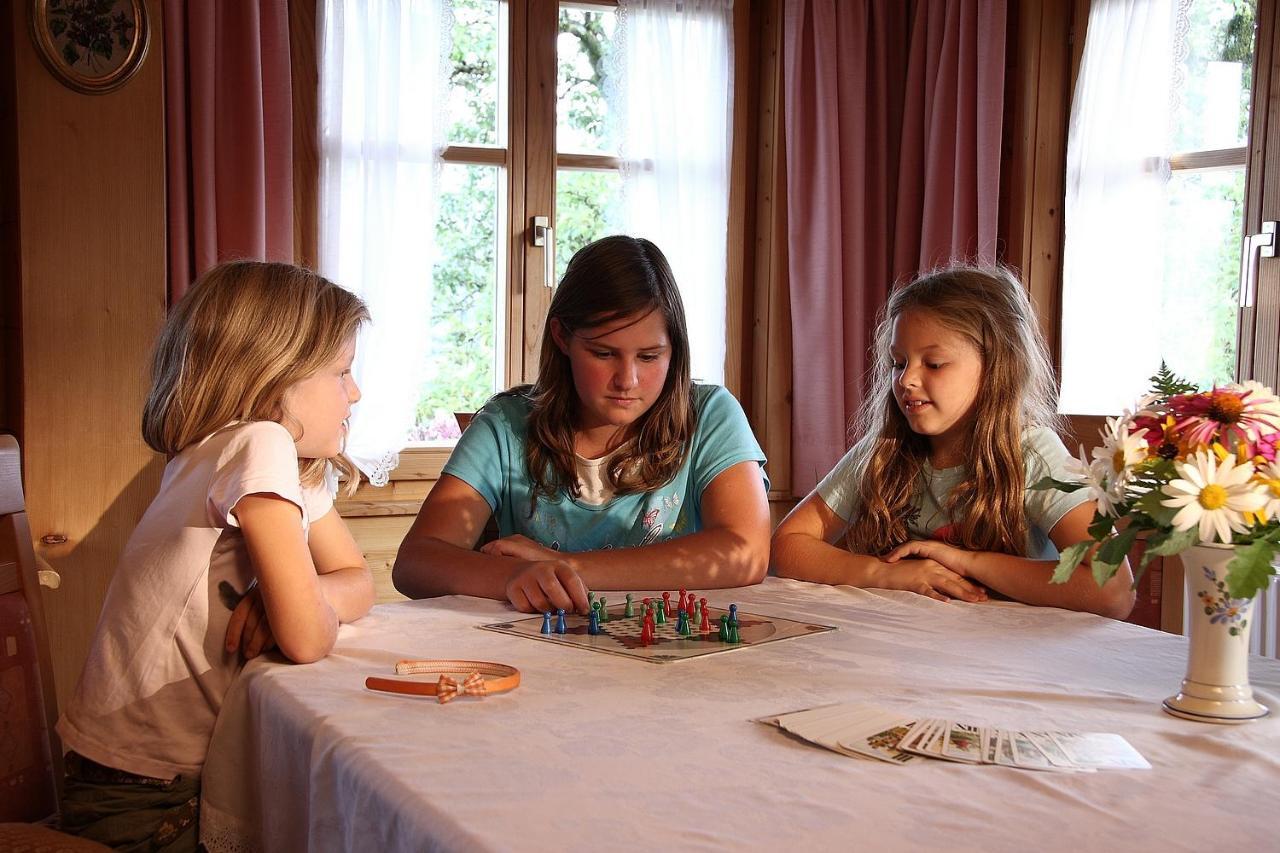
630,611
661,614
733,631
595,608
591,600
604,609
724,628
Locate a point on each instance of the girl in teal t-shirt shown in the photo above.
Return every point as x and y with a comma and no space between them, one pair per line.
614,471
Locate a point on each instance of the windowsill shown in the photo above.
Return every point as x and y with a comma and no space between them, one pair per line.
423,460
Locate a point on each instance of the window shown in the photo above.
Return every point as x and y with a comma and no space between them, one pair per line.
1155,199
538,155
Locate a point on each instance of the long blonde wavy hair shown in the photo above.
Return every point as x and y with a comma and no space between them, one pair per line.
609,280
990,308
235,342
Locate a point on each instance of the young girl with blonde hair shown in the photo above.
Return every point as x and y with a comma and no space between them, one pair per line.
959,422
614,471
240,551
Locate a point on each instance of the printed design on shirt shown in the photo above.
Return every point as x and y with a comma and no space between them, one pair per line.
948,533
652,526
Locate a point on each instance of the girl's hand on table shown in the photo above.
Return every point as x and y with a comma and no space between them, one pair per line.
248,629
935,569
543,585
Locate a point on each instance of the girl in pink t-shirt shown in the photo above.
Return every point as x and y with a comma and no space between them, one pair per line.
240,552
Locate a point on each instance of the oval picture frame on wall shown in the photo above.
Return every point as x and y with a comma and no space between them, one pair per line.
92,46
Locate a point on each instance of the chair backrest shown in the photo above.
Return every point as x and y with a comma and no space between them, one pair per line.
30,752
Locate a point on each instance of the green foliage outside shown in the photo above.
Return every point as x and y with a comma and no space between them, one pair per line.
464,330
1199,312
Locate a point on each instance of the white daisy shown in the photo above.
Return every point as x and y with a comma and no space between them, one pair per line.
1119,452
1268,478
1215,495
1097,481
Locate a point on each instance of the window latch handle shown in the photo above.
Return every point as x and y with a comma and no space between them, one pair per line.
545,236
1264,245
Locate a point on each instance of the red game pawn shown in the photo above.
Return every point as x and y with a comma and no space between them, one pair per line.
646,632
705,627
680,601
666,605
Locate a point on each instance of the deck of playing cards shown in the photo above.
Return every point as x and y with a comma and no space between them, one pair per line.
864,731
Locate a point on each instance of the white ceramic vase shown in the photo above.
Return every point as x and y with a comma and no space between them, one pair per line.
1216,689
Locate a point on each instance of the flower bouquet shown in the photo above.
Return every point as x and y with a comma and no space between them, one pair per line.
1186,468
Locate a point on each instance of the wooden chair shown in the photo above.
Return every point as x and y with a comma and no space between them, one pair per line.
30,751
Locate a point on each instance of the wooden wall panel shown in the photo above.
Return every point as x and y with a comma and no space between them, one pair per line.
10,331
91,226
306,135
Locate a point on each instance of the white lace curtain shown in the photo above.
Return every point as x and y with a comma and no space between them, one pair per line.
382,66
675,95
1119,143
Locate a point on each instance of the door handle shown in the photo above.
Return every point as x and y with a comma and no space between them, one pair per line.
1264,244
545,236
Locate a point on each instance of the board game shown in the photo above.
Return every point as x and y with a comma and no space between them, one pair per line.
620,634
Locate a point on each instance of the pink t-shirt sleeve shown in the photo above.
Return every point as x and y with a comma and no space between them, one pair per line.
260,458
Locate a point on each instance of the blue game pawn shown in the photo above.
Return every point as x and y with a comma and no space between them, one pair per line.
546,622
630,611
733,614
596,607
594,627
604,609
560,626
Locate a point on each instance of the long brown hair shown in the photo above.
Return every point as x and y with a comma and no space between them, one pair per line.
608,280
989,307
235,342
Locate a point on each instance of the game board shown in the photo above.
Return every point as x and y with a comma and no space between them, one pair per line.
620,635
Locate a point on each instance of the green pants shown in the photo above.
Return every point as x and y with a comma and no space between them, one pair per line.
128,812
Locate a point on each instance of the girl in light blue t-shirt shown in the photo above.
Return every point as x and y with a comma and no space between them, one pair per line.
934,497
614,471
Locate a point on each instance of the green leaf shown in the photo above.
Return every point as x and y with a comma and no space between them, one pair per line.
1250,570
1166,383
1106,562
1050,483
1100,526
1069,560
1150,504
70,54
1166,544
57,26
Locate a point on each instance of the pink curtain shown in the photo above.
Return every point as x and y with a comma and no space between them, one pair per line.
893,113
229,119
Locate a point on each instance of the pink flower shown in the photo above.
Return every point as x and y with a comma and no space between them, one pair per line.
1230,415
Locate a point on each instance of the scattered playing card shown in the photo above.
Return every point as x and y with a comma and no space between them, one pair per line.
864,731
1100,751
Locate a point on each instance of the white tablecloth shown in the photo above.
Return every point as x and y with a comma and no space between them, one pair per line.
596,752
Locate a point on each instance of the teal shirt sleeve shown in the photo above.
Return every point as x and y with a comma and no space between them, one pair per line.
488,454
1044,455
722,438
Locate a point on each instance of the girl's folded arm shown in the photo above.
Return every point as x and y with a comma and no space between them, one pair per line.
731,549
436,557
302,620
804,548
344,575
1028,580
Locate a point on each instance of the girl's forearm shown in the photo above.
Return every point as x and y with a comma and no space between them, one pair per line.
1028,581
349,592
806,558
427,567
709,559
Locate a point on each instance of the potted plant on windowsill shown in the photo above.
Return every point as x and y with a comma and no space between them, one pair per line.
1196,473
